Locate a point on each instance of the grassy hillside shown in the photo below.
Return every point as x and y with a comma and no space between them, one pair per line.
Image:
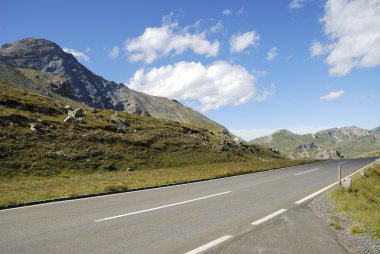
43,157
96,142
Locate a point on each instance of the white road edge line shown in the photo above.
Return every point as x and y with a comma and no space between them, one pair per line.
209,245
161,207
306,172
328,187
150,189
268,217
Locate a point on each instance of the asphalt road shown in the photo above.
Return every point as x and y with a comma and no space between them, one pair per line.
178,219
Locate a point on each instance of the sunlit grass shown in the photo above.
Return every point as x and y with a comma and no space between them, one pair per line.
361,202
22,189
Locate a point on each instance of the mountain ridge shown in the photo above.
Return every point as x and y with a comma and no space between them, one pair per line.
86,87
349,141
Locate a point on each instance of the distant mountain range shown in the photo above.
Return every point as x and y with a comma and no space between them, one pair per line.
42,66
333,143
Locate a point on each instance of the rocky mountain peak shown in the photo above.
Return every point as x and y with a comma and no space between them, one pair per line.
86,87
36,54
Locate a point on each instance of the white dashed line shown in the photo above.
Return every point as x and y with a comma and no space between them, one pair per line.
209,245
307,172
268,217
160,207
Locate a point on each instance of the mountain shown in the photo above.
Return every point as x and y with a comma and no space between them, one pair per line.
38,137
63,75
331,143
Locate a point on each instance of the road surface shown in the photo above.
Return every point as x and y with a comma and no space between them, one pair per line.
187,218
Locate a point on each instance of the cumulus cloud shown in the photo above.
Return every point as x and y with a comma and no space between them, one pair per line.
272,53
332,96
297,4
169,39
77,54
239,42
114,53
213,86
353,30
227,12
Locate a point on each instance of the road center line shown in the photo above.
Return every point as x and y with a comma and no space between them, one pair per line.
209,245
342,162
161,207
268,217
307,172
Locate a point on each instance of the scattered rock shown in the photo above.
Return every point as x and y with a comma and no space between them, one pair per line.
2,155
79,120
110,167
33,127
238,140
69,119
130,169
76,113
68,107
93,110
120,122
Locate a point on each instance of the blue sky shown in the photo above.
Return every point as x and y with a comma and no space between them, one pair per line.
253,66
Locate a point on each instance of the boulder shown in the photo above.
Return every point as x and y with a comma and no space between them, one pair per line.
238,140
69,119
120,122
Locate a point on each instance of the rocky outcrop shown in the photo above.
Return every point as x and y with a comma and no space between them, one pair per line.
326,144
82,85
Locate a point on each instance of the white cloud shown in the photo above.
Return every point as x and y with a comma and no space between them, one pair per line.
332,96
217,27
114,53
353,30
297,4
249,134
88,50
213,86
272,53
169,39
317,49
267,93
77,54
227,12
239,42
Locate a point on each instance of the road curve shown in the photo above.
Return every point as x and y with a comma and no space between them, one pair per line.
179,219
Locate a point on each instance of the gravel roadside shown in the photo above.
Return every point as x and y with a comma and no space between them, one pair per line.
353,243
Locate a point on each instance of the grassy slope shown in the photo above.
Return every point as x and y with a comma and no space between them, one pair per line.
362,201
62,159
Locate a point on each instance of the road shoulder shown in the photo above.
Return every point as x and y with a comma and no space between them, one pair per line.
353,243
297,231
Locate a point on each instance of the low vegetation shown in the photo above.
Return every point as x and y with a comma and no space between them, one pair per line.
361,202
43,157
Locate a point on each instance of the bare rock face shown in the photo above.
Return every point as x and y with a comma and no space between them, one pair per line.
84,86
348,131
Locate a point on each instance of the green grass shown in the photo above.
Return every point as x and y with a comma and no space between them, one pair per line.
20,189
70,159
356,229
361,202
